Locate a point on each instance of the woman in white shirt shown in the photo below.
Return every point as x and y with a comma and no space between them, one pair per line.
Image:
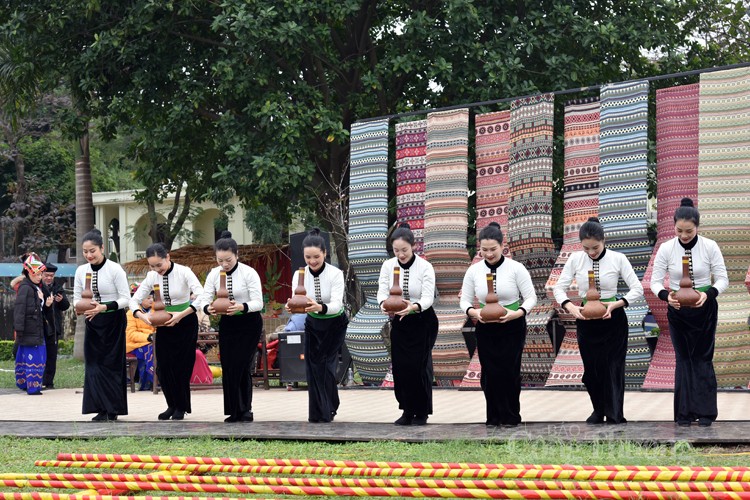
692,329
104,390
500,344
325,328
603,342
414,329
239,329
175,341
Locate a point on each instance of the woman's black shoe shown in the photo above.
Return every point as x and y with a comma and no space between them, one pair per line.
683,423
111,416
595,418
178,415
246,417
231,418
419,420
704,422
404,419
167,414
100,417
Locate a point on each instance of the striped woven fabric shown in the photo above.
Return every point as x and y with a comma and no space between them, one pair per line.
446,221
676,177
581,178
492,148
411,159
368,224
623,200
530,220
724,194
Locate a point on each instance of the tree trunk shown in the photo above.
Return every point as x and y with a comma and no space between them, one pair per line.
21,195
84,222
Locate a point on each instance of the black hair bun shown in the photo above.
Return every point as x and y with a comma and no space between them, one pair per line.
493,224
96,231
225,235
404,225
593,219
686,202
314,231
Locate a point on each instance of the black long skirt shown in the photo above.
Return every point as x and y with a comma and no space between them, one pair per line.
238,344
693,331
323,341
604,344
500,347
175,357
412,339
104,388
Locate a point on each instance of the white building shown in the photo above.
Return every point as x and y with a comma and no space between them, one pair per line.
125,226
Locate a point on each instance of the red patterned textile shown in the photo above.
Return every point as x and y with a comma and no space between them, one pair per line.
676,178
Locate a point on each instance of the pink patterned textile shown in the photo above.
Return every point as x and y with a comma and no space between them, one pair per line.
676,178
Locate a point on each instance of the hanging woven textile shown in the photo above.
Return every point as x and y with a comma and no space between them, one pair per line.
623,201
581,179
724,201
446,221
368,225
676,178
530,220
411,160
492,147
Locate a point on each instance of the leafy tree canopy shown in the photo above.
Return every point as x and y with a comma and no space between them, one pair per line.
258,97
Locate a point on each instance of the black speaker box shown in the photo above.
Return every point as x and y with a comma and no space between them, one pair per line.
291,357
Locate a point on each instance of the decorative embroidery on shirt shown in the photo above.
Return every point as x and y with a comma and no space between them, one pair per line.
405,286
229,287
95,286
596,276
165,291
318,295
689,255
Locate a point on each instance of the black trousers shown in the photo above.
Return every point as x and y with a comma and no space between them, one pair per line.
238,343
51,367
412,339
175,358
693,332
500,347
104,389
323,341
604,344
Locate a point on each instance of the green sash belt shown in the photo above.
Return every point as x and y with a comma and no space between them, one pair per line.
175,308
326,316
513,307
611,299
703,289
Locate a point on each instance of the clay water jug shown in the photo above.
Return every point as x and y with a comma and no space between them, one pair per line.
395,302
492,310
222,302
687,296
594,308
87,296
298,303
158,314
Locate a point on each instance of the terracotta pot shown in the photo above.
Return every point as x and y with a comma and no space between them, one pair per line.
492,310
85,304
298,303
686,295
158,314
395,301
594,308
222,303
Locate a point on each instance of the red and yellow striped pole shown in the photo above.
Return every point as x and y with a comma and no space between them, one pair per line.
685,475
288,462
392,483
380,492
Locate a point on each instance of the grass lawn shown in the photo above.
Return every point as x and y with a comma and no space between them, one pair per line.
69,373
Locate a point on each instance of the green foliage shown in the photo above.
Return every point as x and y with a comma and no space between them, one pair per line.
258,97
64,348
